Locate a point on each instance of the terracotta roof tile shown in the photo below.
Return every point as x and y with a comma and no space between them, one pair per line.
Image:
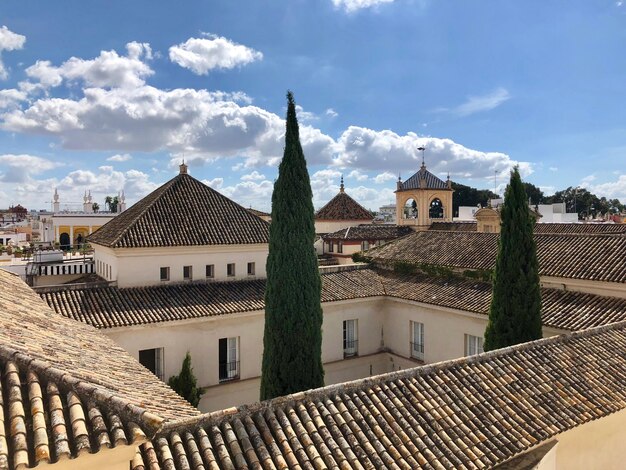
544,228
369,232
474,412
107,307
597,257
182,212
432,181
72,355
343,207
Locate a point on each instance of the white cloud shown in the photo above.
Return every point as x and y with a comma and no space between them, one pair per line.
120,157
305,116
201,55
330,112
202,124
107,70
370,150
251,193
553,168
384,177
20,168
254,176
357,175
11,98
610,189
353,5
215,183
9,41
477,104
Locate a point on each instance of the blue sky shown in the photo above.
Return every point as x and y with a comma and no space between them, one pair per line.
105,96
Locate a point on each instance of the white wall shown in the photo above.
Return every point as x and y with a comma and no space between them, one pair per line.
133,267
330,226
383,330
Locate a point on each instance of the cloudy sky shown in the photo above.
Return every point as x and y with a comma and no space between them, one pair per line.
110,95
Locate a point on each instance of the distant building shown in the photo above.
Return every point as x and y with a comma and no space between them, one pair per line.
343,243
340,212
181,232
423,199
263,215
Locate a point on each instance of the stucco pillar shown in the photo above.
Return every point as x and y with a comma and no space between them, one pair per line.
56,234
72,236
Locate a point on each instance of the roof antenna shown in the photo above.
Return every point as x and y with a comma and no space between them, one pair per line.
421,149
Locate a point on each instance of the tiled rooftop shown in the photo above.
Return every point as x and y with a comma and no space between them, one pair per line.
182,212
432,181
370,232
107,307
343,207
469,413
543,228
76,356
590,257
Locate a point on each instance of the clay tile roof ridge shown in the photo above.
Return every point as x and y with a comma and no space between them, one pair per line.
215,417
90,393
146,207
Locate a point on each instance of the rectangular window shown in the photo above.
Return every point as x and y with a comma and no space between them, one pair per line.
230,269
365,245
152,359
250,269
417,340
331,247
210,270
165,274
187,273
350,338
339,247
228,359
473,345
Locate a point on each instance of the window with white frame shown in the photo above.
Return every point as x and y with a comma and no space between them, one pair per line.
339,246
417,340
152,359
228,359
210,270
251,269
331,246
165,273
350,338
365,245
473,345
187,273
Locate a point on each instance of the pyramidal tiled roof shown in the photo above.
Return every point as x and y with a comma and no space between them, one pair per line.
432,182
182,212
343,207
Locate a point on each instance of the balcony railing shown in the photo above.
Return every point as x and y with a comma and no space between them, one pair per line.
350,348
417,351
229,371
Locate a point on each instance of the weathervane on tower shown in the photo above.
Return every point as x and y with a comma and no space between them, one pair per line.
422,149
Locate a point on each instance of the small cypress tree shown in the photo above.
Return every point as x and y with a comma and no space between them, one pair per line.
185,383
515,313
292,340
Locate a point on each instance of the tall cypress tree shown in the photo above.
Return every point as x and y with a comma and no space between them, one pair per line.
515,313
292,341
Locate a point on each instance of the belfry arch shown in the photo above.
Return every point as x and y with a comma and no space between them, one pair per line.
432,196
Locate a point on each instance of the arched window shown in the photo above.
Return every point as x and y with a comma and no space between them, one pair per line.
410,209
436,209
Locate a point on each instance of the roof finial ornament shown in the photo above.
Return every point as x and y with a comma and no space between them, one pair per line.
341,188
421,149
182,167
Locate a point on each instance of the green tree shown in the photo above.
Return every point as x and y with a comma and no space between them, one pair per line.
533,193
468,196
515,313
292,341
185,383
111,203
